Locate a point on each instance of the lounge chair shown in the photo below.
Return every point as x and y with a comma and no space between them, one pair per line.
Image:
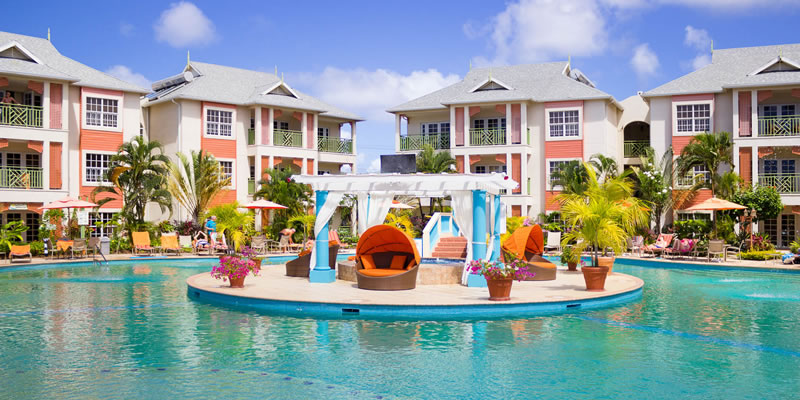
662,242
79,246
262,245
284,245
299,267
635,244
20,251
141,243
685,248
94,245
185,241
221,247
169,243
386,259
553,241
526,244
716,248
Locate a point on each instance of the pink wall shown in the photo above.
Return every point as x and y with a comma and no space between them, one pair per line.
516,124
265,127
310,134
55,106
459,126
745,113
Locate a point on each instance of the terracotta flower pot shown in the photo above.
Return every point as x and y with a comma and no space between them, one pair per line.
236,282
257,261
572,266
595,278
499,289
606,262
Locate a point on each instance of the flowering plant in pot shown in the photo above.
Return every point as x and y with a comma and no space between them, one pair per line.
571,258
499,276
234,269
250,254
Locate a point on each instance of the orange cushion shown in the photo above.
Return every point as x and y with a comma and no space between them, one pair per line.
304,252
381,272
398,262
367,262
411,263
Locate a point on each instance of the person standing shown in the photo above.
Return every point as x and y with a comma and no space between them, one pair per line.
211,228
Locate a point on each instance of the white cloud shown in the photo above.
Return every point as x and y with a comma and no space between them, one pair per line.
374,166
697,38
644,61
126,29
538,30
369,93
125,73
701,61
183,24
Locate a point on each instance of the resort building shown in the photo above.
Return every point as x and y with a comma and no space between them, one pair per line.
753,93
60,122
523,120
249,121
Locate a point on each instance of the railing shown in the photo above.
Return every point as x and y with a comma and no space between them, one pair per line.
251,136
487,137
251,185
20,178
439,222
21,115
635,148
784,183
335,145
785,125
287,138
417,142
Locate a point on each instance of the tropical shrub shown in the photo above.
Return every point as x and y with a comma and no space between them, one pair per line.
795,246
37,247
765,200
165,227
761,243
11,233
570,255
402,222
187,227
757,255
237,226
195,180
692,229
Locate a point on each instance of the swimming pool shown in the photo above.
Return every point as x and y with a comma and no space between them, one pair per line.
128,330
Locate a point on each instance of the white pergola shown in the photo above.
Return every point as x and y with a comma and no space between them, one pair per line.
472,195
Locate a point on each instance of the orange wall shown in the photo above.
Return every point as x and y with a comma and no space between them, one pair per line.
55,105
550,203
55,165
460,164
701,196
679,142
563,149
745,165
99,141
224,197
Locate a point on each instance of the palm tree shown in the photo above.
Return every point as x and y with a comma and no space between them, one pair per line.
710,150
232,223
606,167
656,180
572,177
306,221
434,162
195,180
138,173
279,187
400,221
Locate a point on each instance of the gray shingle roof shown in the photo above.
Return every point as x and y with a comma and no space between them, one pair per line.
56,66
221,84
533,82
730,68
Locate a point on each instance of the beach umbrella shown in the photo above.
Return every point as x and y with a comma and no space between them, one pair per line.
399,205
68,202
264,204
714,204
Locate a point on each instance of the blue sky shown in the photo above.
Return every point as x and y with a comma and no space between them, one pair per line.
366,56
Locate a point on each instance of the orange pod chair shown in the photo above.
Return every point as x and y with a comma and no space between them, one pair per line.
527,243
386,259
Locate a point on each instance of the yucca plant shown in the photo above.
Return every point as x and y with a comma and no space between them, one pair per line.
195,180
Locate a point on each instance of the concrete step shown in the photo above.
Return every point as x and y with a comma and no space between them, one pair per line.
449,255
453,239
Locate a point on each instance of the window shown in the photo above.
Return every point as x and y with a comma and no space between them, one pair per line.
488,169
565,123
33,161
226,171
771,166
102,217
321,172
280,125
219,122
694,117
694,216
787,229
787,167
97,167
101,112
488,123
776,167
32,99
32,220
555,166
771,229
13,160
698,173
323,132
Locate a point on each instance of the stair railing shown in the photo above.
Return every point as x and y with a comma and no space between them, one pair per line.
438,224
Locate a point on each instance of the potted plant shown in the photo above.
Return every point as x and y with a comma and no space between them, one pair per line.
234,269
500,276
248,253
571,258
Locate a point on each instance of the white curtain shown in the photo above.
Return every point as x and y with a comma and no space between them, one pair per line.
361,216
462,214
379,205
323,216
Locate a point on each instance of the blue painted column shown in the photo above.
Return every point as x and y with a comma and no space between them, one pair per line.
496,229
478,234
322,272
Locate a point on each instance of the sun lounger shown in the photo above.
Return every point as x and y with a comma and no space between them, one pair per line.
299,267
20,251
386,259
141,243
662,242
553,241
284,244
169,243
79,246
185,241
526,244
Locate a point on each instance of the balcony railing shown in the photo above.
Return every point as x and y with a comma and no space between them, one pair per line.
287,138
335,145
251,136
251,185
20,178
635,148
416,142
21,115
785,125
487,137
784,183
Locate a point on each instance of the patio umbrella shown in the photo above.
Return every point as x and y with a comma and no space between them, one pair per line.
714,204
264,204
397,204
68,202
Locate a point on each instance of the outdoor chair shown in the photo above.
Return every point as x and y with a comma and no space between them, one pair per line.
20,251
169,243
260,244
141,243
716,248
221,247
526,244
299,267
635,244
185,241
553,241
662,242
284,245
386,259
79,246
94,245
684,248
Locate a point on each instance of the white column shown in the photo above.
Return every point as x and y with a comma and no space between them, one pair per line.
353,143
466,126
316,131
452,127
754,168
270,123
303,127
735,114
736,166
271,162
65,111
304,167
523,176
258,127
508,168
46,105
523,125
397,124
46,162
754,114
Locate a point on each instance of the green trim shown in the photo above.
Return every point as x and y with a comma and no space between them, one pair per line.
251,185
21,178
784,183
487,137
335,145
785,125
635,148
251,136
21,115
438,141
287,138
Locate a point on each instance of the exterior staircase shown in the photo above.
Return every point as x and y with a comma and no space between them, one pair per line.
451,247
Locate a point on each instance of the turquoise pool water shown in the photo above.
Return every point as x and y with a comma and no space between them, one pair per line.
128,330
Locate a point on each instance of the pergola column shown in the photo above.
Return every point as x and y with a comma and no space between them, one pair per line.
322,272
478,235
496,229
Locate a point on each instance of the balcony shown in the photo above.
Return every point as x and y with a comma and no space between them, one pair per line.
785,125
20,178
635,148
487,137
21,115
784,183
335,145
287,138
438,141
251,185
251,136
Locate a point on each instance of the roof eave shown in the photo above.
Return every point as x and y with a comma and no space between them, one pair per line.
63,78
106,87
762,84
650,94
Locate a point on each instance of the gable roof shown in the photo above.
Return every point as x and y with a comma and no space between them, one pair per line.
229,85
38,58
553,81
736,68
